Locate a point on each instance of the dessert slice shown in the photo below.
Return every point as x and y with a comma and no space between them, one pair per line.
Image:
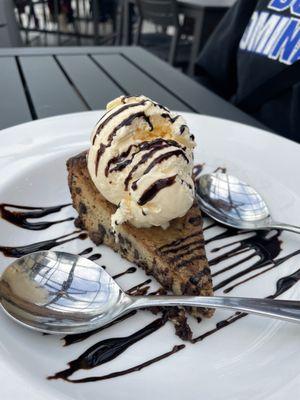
175,256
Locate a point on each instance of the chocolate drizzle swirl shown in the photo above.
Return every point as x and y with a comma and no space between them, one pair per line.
170,247
107,350
125,122
21,218
127,371
167,115
121,160
266,248
99,154
20,251
153,189
79,337
153,146
165,156
114,114
259,248
282,285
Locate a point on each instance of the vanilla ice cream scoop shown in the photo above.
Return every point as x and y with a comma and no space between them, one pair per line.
141,160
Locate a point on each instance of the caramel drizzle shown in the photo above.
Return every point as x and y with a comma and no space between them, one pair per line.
125,122
114,114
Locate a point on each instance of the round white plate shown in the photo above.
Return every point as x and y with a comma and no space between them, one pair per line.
253,358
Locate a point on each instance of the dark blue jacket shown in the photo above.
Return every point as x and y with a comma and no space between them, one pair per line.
252,59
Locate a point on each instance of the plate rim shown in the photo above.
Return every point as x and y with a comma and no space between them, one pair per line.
94,112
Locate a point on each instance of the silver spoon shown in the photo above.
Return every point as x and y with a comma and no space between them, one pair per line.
232,202
56,292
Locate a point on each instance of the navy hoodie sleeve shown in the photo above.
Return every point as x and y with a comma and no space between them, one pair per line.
217,63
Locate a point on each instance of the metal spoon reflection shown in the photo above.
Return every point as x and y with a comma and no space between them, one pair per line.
234,203
56,292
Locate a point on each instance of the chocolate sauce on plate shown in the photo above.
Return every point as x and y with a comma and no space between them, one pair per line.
128,370
261,248
20,251
129,270
86,251
282,285
107,350
9,213
95,256
79,337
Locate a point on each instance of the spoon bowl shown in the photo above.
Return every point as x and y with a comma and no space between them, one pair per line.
57,292
233,202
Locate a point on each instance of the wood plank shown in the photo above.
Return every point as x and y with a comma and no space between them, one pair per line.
51,93
14,108
199,98
136,82
94,85
40,51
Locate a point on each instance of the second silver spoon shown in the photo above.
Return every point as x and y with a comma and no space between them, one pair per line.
56,292
232,202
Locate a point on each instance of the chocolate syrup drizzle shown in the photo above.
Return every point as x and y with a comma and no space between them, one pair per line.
153,189
21,218
107,350
165,156
20,251
114,114
129,270
265,246
79,337
153,146
127,371
127,121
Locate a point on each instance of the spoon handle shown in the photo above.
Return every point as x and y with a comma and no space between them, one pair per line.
286,310
285,227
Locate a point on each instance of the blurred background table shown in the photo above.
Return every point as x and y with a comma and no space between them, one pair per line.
43,82
205,14
174,30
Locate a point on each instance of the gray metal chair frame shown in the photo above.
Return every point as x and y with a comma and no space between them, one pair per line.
9,30
163,13
58,31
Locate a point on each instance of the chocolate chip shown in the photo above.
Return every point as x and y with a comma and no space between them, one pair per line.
121,239
195,220
136,255
82,208
200,275
78,223
101,230
123,250
98,237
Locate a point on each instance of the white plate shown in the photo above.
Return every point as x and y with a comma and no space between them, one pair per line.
253,358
